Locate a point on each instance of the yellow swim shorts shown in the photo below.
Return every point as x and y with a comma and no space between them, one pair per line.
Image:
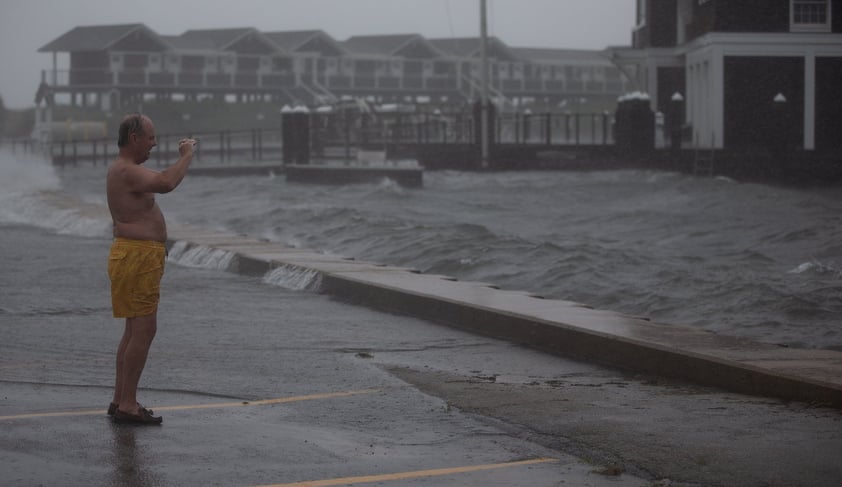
135,268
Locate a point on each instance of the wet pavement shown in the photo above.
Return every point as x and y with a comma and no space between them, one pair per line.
259,385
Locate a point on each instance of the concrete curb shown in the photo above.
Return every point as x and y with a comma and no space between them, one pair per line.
554,326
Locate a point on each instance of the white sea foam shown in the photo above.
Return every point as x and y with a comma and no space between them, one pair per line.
186,254
390,186
294,278
25,173
30,194
817,267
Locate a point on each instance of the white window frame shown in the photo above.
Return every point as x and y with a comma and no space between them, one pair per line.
810,27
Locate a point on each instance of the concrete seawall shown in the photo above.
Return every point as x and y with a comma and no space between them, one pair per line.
555,326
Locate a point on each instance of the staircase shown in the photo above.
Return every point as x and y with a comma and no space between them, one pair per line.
475,88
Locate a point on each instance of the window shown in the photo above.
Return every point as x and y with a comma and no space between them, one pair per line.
192,63
810,15
137,61
365,67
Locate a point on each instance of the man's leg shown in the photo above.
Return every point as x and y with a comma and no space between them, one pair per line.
121,353
139,334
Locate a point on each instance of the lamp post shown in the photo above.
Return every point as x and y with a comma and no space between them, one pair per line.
484,128
675,120
780,134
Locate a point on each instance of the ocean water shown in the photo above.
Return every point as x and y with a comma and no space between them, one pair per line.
740,259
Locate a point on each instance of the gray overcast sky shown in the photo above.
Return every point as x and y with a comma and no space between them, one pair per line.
26,25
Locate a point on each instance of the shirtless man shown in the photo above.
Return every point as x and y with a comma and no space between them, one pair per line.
136,260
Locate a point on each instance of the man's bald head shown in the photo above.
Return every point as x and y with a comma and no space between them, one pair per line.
131,124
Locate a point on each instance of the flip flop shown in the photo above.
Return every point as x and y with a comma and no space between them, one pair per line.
112,408
144,417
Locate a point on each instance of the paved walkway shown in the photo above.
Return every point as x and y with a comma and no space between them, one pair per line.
263,386
256,385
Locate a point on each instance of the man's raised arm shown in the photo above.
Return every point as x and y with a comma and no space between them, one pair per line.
142,180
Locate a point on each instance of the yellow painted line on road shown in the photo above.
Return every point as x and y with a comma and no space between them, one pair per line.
89,412
437,472
262,402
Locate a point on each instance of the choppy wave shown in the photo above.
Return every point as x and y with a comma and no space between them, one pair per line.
733,258
815,266
741,259
31,193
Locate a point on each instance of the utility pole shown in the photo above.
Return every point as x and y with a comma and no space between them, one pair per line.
484,85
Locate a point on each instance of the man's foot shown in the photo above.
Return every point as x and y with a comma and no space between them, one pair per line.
143,416
112,408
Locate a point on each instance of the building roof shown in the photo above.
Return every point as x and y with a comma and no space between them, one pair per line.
317,41
561,56
188,44
99,38
392,45
378,44
464,47
219,39
292,40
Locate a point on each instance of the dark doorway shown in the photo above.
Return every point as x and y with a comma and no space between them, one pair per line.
752,117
